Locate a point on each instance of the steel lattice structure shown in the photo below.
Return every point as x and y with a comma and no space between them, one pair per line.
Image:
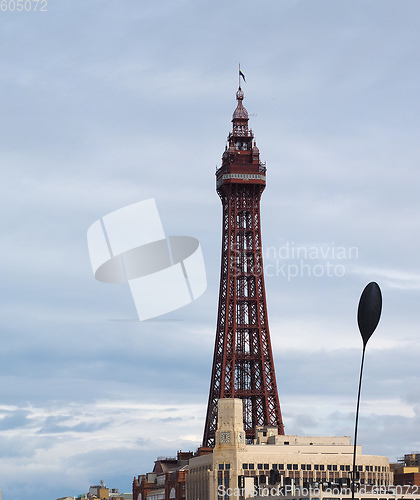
243,361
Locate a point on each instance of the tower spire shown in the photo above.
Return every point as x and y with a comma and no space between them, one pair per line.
243,363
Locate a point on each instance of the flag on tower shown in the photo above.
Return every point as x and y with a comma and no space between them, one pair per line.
241,74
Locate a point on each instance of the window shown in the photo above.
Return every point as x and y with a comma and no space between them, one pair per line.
281,466
286,442
329,467
341,467
334,467
321,467
308,466
295,466
275,466
289,466
303,466
219,483
227,466
226,483
259,466
250,466
244,466
266,467
221,466
316,467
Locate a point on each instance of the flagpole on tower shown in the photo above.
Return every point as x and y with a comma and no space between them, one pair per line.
241,74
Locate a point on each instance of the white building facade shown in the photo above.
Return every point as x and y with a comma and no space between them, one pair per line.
275,460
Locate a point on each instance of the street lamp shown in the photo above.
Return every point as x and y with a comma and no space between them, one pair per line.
368,315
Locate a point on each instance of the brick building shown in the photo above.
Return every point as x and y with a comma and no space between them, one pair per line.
166,481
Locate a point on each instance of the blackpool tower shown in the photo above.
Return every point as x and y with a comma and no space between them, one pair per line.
243,362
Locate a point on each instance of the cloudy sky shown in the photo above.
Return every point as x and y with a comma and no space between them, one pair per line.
107,103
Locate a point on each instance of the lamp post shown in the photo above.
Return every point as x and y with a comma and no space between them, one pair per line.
368,315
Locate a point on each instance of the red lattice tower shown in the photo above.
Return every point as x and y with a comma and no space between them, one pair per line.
243,362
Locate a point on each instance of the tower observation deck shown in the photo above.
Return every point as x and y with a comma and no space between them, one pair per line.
243,362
